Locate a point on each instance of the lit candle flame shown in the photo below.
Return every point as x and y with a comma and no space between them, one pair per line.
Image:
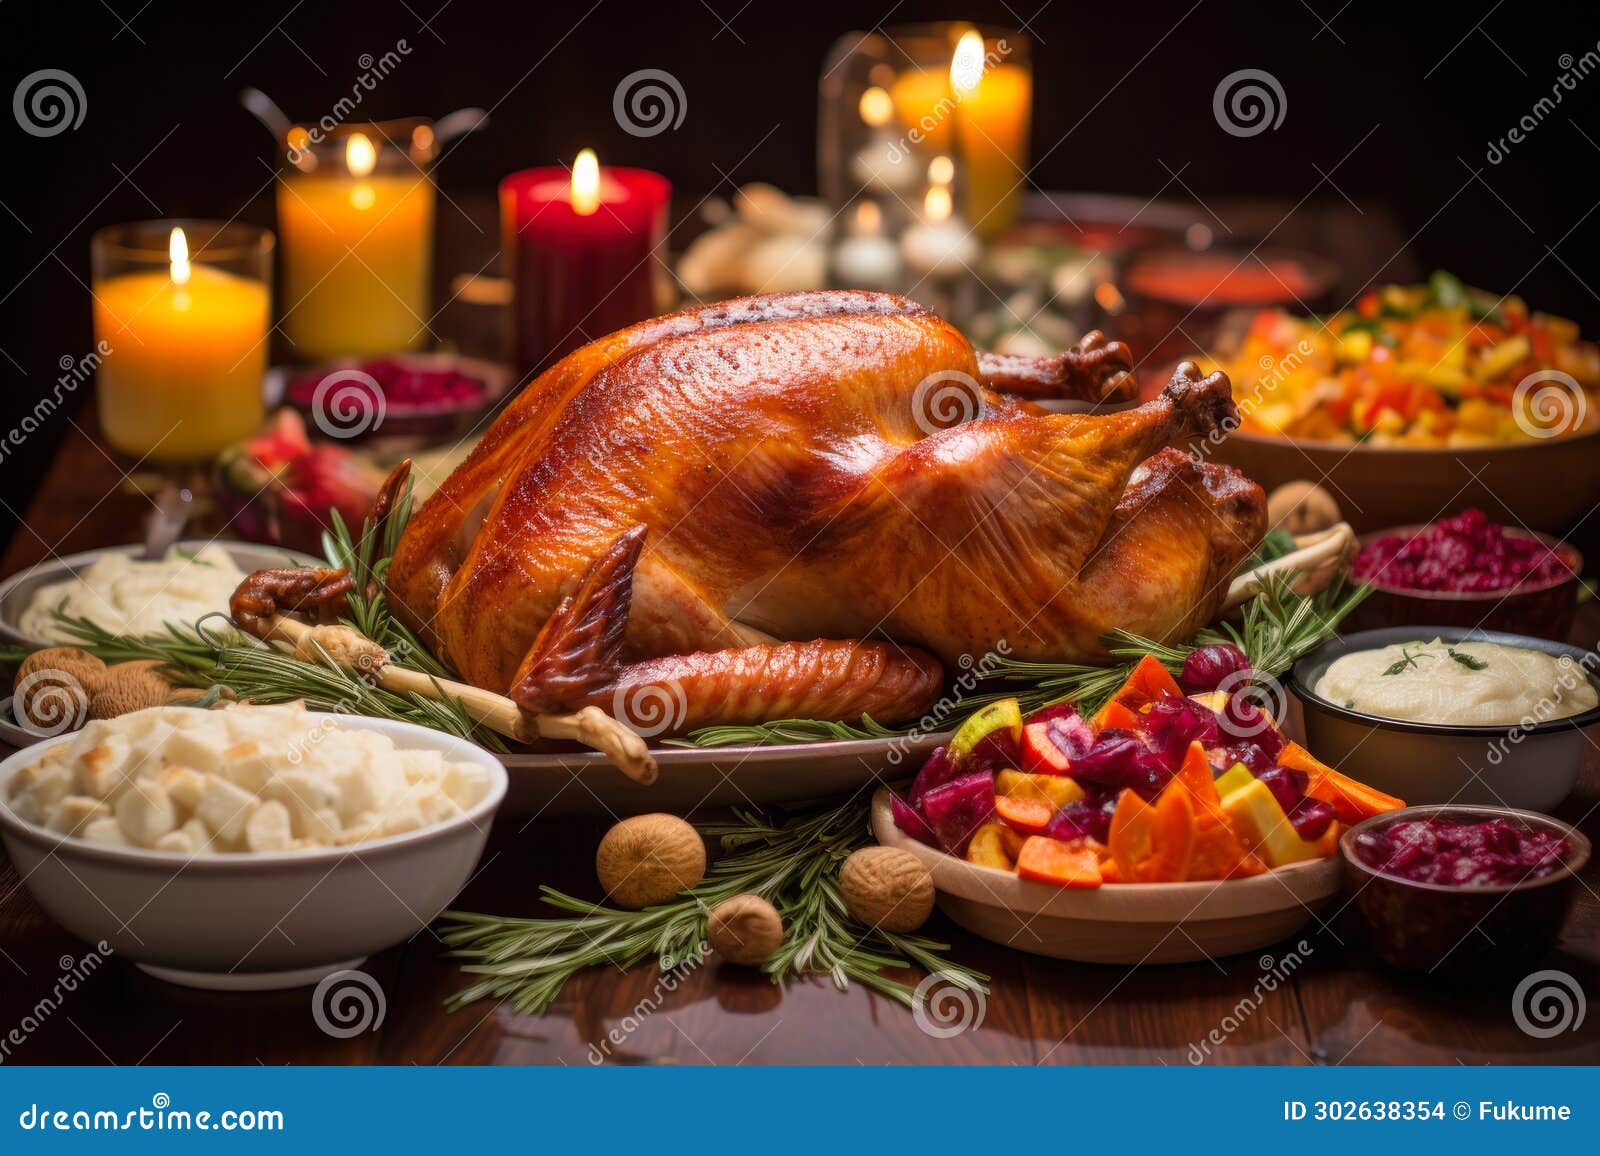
966,65
876,107
178,256
585,183
936,205
941,170
869,218
359,155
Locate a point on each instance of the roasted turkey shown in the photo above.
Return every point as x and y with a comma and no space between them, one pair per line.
813,505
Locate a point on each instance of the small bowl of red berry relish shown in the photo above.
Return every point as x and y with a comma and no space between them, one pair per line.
1468,571
1531,758
425,396
1454,888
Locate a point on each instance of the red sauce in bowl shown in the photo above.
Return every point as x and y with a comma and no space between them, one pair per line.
1467,554
1220,279
1453,853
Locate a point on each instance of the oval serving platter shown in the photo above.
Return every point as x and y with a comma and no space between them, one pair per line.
1122,924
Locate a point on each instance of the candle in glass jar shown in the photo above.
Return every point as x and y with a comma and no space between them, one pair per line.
188,351
357,252
580,249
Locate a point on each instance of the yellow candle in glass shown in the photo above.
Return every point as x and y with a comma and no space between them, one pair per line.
188,355
357,248
978,107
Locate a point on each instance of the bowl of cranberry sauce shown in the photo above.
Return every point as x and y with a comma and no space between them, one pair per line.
1468,570
1454,889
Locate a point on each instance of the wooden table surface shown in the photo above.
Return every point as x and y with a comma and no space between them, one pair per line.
1338,1006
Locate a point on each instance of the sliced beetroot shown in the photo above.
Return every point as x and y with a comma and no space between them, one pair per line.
1052,712
1081,820
1311,819
956,809
906,818
939,769
1208,667
996,751
1172,724
1284,788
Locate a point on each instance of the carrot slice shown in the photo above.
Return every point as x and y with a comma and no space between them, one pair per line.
1351,800
1131,835
1025,814
1218,854
1047,860
1194,776
1114,714
1148,682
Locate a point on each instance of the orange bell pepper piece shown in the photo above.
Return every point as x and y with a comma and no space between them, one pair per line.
1352,801
1218,853
1047,860
1148,682
1025,814
1114,714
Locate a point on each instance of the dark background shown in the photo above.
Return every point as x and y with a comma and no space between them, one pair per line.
1418,92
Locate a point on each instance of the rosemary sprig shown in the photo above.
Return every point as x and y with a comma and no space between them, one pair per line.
793,863
1278,627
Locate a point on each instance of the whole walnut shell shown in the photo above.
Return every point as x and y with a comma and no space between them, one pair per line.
745,929
127,687
887,887
1301,508
649,859
53,686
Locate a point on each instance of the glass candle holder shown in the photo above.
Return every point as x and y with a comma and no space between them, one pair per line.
583,251
356,213
181,314
896,101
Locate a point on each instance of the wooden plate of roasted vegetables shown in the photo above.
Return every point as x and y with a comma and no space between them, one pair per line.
1175,823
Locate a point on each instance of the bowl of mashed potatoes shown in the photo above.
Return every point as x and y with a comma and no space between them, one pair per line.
1451,715
251,847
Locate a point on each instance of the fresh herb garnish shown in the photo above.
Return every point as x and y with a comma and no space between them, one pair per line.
793,863
1467,660
1407,658
191,557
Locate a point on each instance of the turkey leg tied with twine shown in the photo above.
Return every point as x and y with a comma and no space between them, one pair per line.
350,650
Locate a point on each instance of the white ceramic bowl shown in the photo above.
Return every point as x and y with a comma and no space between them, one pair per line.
247,921
1119,923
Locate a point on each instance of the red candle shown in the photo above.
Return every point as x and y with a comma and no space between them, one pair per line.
580,248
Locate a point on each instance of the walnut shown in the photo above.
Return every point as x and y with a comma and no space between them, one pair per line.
887,888
649,859
127,687
1301,508
745,929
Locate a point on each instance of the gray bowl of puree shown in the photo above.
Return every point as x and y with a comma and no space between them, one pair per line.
1450,715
